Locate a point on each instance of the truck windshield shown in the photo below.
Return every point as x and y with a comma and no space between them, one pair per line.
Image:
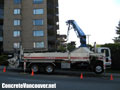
106,52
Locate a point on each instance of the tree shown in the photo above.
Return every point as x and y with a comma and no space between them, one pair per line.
117,39
61,48
71,46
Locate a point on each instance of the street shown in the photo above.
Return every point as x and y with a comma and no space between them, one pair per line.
63,80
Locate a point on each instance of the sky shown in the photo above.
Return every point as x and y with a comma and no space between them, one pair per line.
97,18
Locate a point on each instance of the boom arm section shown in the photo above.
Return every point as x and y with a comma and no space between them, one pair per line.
80,34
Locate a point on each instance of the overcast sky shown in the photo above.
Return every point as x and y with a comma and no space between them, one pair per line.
97,18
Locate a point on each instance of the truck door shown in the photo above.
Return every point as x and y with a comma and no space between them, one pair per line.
108,56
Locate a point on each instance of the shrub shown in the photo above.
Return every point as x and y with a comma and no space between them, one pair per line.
3,60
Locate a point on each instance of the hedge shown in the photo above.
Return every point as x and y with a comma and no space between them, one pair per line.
3,60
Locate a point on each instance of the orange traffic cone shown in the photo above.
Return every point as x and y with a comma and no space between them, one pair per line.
81,76
111,77
4,69
32,74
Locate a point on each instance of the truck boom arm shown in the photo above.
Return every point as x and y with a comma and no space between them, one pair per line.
80,34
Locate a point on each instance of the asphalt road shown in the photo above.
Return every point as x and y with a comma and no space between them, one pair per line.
63,80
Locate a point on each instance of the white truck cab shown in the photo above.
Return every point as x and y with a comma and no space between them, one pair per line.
107,52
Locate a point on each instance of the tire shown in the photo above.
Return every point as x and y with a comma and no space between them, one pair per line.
98,69
35,68
49,69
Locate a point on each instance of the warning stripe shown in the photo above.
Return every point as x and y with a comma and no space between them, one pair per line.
56,57
79,57
45,57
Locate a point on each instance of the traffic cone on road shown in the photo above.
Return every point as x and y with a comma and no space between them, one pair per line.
81,76
4,69
111,77
32,74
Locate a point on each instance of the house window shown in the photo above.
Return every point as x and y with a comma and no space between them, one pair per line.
37,33
38,11
38,22
16,33
17,1
16,22
37,1
38,44
16,11
16,45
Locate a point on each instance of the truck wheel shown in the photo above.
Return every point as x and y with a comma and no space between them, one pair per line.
35,68
98,69
49,69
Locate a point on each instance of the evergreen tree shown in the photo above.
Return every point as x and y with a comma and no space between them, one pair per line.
117,39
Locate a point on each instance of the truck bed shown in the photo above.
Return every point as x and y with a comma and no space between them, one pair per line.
57,56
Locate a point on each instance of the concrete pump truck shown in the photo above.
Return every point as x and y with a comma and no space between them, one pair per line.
49,61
